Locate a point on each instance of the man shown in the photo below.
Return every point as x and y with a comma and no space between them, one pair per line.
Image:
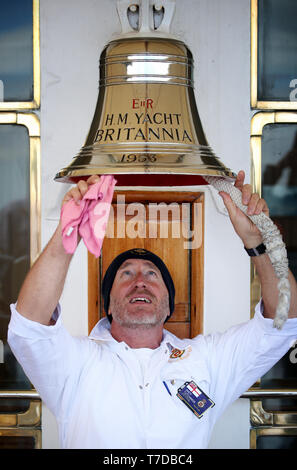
132,384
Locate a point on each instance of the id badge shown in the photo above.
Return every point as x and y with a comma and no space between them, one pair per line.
194,398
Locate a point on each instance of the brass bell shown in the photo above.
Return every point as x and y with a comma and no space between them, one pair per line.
146,129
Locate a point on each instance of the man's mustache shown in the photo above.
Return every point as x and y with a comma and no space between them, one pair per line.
140,292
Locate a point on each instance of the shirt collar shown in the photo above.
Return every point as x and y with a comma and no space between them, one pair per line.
101,332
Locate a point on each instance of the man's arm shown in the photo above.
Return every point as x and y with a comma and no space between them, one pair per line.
269,289
43,285
251,238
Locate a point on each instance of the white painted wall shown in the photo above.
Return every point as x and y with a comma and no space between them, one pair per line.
218,33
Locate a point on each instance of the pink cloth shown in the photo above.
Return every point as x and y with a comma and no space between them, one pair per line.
89,218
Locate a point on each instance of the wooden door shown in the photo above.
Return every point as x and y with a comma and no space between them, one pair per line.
169,224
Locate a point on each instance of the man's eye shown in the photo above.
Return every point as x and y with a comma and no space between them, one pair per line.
152,273
126,272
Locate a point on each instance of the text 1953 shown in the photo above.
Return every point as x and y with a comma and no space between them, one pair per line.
130,158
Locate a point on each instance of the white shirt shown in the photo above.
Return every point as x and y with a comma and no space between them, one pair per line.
103,398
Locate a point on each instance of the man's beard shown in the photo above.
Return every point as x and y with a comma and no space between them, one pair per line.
140,317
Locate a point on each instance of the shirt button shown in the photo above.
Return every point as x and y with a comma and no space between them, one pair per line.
146,384
126,347
141,387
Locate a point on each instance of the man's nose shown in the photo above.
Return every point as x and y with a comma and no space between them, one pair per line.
140,280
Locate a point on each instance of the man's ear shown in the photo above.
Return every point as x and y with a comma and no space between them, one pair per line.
168,314
109,313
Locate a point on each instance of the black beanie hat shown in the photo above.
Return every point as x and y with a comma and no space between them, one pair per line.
136,253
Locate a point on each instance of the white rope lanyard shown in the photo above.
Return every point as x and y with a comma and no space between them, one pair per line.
275,247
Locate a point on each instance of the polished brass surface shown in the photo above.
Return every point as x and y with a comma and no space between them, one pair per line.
254,53
255,393
35,433
35,103
261,417
8,420
270,431
27,423
258,122
146,121
20,394
32,123
31,417
284,419
255,102
258,415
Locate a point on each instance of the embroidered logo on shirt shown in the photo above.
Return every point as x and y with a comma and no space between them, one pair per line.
179,354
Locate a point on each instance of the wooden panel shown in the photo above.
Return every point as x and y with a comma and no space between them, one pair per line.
116,241
182,330
166,236
94,291
197,272
176,258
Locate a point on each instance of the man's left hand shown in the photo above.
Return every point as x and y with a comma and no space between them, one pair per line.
243,226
